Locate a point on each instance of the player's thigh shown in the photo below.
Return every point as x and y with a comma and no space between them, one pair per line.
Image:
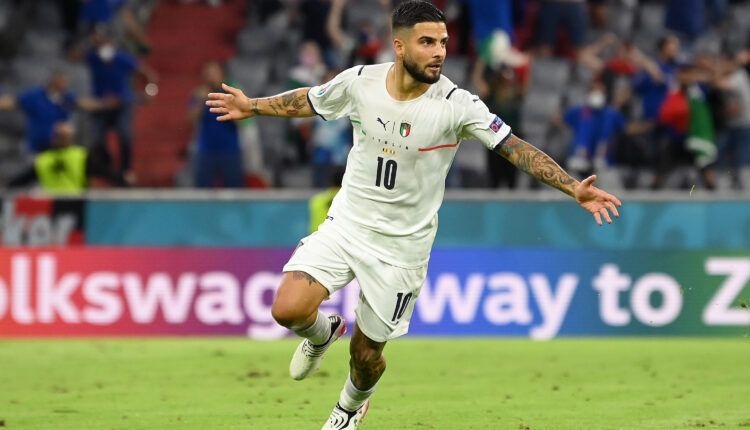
315,270
299,295
387,298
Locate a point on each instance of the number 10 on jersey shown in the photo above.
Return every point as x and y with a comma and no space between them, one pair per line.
389,176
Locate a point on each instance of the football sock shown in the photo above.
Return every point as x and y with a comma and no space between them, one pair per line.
319,332
353,398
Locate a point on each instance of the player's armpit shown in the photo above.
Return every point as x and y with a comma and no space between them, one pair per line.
536,163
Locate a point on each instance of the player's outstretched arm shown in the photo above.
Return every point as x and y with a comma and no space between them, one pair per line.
539,165
234,104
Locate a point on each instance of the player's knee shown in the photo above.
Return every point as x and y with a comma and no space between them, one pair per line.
286,316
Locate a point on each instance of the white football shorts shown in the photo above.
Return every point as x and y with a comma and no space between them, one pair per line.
387,293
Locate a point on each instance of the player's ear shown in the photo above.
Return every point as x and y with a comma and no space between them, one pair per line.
398,47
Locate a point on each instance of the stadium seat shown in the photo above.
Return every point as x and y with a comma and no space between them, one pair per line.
457,70
43,43
549,74
251,74
30,71
540,106
254,42
651,18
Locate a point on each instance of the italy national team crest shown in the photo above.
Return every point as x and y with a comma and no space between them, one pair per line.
405,129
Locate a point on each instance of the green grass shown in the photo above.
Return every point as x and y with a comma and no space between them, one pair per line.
215,384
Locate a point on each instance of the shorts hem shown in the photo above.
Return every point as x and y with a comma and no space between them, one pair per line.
369,336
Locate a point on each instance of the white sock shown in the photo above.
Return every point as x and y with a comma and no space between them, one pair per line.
319,332
351,397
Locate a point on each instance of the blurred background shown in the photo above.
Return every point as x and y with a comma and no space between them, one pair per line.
108,154
648,94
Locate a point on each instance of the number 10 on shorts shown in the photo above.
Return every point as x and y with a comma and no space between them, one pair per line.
402,301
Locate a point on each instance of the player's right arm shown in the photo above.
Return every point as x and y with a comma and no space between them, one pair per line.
235,105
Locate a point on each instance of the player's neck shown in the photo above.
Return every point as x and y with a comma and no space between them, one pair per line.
402,86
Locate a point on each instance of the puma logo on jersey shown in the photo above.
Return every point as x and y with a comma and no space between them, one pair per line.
383,123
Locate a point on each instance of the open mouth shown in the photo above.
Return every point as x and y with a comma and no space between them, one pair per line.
434,67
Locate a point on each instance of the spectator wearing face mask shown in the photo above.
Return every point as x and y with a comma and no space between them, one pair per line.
112,71
594,125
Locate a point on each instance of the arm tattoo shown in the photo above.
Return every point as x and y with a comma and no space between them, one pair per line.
255,109
536,163
302,276
289,104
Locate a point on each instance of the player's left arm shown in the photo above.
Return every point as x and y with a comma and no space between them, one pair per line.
541,166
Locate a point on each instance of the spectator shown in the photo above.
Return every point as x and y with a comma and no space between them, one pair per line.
44,106
218,158
735,145
111,71
65,167
310,68
503,94
594,126
309,72
314,21
488,17
365,46
652,83
103,13
557,14
687,18
687,130
330,142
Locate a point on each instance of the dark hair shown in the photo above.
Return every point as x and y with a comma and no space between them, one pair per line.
662,42
412,12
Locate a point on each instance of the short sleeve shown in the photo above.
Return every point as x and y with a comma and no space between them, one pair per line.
477,122
333,99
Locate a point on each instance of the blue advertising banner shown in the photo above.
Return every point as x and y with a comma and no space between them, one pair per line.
694,225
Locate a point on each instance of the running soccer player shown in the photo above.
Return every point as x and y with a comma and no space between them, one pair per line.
408,122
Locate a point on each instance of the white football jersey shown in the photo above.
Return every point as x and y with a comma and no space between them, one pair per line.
395,173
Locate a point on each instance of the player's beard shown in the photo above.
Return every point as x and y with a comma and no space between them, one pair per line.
419,75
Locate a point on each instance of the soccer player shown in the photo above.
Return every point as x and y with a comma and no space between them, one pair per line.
408,122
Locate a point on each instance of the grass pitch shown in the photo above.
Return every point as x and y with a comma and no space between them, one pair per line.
201,384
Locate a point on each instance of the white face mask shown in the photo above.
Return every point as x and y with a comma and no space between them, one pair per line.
106,52
596,99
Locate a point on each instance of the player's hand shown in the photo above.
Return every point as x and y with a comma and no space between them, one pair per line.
232,105
596,201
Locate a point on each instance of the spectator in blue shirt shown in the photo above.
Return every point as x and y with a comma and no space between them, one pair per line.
652,83
45,106
94,13
218,158
111,73
594,125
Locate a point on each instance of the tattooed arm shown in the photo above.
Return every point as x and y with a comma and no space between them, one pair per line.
234,104
537,164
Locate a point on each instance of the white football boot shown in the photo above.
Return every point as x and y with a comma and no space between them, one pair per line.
307,357
341,419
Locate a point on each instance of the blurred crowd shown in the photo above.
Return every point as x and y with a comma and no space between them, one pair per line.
647,94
